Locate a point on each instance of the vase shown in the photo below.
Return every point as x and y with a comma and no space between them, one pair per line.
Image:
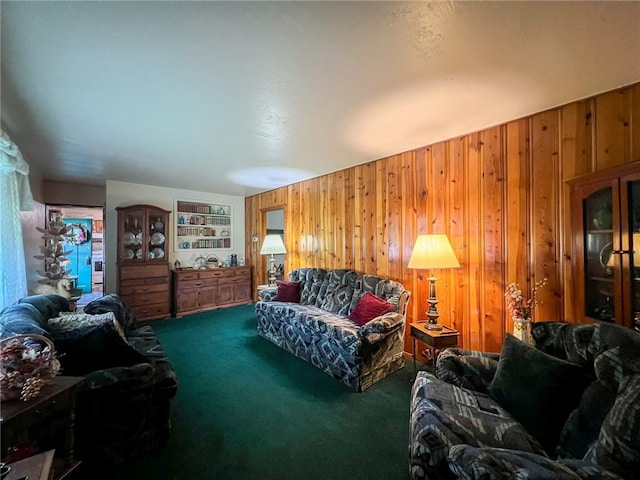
522,330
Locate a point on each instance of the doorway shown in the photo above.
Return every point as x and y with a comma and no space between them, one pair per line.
85,260
274,224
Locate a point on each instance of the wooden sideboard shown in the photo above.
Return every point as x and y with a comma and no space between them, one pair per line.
200,290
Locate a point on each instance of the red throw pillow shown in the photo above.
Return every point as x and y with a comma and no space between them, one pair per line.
368,308
288,291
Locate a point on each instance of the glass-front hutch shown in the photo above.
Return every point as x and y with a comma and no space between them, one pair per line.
606,229
143,260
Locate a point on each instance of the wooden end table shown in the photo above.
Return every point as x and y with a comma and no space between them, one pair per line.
434,340
20,421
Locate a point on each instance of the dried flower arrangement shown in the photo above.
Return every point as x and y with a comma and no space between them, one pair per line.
518,307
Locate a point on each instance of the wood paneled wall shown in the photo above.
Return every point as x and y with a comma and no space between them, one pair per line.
499,195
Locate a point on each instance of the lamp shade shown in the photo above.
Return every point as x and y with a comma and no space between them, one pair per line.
433,251
272,244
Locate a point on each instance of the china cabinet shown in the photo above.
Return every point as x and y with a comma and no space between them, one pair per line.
143,266
202,226
606,260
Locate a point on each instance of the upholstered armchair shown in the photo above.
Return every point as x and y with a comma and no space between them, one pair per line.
568,408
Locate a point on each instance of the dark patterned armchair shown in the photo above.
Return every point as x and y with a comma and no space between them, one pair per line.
123,404
567,409
318,328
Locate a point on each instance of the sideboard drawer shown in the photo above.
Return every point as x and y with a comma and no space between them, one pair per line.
153,297
156,310
143,271
207,282
130,287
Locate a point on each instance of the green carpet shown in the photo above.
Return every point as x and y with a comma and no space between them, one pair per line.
246,409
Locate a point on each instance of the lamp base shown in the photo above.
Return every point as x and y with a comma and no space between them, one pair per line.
433,326
272,272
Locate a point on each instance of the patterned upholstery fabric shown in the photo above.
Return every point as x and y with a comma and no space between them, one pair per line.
121,412
467,368
317,329
600,438
113,303
468,462
443,415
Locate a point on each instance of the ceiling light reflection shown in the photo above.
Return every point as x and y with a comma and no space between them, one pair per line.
268,177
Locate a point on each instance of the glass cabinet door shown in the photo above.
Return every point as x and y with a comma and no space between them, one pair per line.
157,234
599,261
633,195
606,236
132,234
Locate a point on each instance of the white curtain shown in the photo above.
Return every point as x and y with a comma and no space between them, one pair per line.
15,196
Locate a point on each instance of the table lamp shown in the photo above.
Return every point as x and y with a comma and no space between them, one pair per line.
430,252
272,245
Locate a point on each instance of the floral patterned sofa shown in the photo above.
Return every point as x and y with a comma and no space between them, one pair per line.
567,409
123,404
316,325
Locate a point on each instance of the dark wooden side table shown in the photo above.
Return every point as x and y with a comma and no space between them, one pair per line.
49,416
434,340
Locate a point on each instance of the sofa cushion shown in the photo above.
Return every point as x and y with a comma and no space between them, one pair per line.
310,281
93,348
618,445
287,291
113,303
67,321
368,308
539,390
338,299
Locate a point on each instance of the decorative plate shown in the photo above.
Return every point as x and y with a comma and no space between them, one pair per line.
138,253
605,256
128,238
130,253
157,253
200,262
137,239
157,238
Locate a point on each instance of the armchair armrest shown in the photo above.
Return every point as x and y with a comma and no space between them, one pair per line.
267,294
381,327
139,375
487,463
467,368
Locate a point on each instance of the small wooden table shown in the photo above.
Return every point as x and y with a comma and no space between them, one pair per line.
434,340
55,405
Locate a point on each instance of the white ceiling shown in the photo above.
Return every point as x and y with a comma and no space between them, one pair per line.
240,97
